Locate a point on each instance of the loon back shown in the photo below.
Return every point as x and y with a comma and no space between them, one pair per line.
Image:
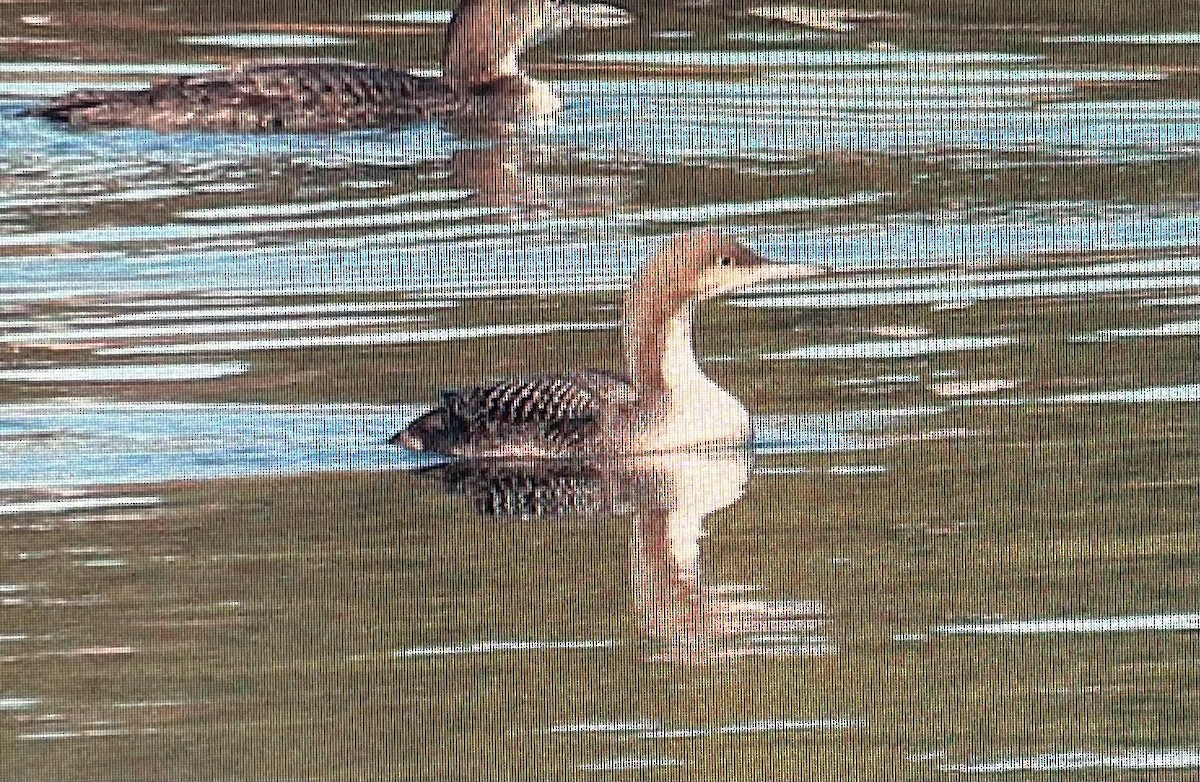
546,416
278,96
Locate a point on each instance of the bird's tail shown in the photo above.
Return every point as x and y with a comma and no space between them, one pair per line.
91,107
426,433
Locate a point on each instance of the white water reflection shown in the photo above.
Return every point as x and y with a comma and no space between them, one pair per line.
125,333
421,337
82,443
630,763
1182,393
497,647
806,58
180,231
96,442
39,67
44,89
75,504
1132,759
570,255
254,40
1183,328
1075,625
668,499
892,349
124,373
411,17
1128,39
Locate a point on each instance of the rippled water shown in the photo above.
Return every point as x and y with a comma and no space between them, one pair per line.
964,542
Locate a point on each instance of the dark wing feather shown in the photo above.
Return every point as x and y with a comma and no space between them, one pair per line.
266,96
547,415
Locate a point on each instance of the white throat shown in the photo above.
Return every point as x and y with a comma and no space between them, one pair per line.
692,409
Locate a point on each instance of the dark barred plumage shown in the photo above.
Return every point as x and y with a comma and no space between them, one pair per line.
266,96
551,415
525,491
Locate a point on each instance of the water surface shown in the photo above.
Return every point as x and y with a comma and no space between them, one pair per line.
962,542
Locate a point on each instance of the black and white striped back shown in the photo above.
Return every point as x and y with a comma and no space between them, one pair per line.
550,415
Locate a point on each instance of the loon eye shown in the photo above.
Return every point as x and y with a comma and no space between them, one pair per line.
726,260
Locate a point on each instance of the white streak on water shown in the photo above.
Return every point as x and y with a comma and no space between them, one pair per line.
68,505
910,79
314,207
963,388
40,67
86,733
219,313
805,58
53,89
19,704
383,338
605,727
952,293
1183,393
1184,328
631,763
208,327
696,214
776,608
490,647
1138,758
1175,301
125,373
411,17
891,349
1075,625
177,231
118,196
265,40
141,442
1128,39
503,259
773,726
858,469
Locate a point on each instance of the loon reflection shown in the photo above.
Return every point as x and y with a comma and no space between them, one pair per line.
668,496
480,80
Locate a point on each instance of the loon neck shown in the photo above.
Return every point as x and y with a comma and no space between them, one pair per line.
659,354
484,40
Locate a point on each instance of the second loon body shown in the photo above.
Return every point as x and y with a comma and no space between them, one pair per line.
480,80
664,402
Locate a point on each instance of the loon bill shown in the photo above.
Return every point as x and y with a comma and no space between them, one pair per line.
663,401
481,80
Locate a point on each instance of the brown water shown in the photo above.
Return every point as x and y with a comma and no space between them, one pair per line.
965,543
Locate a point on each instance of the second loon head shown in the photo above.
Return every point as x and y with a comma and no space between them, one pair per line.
486,37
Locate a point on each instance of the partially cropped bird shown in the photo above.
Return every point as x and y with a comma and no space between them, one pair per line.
480,80
662,402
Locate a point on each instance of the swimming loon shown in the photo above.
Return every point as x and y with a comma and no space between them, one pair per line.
663,402
480,79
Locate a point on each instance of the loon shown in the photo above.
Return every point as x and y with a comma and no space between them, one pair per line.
663,401
480,80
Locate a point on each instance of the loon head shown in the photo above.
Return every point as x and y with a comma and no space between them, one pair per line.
692,267
486,37
700,265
